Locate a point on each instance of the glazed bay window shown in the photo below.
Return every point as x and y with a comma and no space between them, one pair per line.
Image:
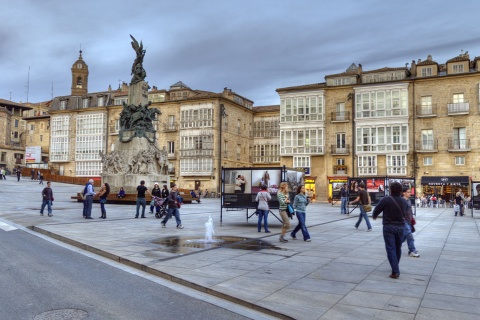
301,162
266,153
294,141
89,141
196,166
60,141
198,145
397,165
308,108
381,103
197,118
388,138
367,165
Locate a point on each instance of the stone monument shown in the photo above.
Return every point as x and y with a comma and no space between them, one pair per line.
135,155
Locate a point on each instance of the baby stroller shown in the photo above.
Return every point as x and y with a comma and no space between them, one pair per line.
158,202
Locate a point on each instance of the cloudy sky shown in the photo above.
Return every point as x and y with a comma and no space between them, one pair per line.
250,46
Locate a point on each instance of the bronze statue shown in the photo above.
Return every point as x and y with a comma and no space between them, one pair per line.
138,73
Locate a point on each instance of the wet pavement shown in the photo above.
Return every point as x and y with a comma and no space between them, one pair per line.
341,274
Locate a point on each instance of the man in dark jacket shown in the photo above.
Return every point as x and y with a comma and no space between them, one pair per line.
394,209
173,208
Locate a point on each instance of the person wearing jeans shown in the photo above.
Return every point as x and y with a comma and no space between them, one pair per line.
407,231
363,198
172,208
300,204
394,208
262,210
344,199
47,196
141,189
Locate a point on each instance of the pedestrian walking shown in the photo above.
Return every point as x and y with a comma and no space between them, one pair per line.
156,192
394,208
283,201
364,199
407,232
141,202
459,202
344,199
103,194
41,179
32,172
173,208
88,193
263,209
47,198
19,174
300,203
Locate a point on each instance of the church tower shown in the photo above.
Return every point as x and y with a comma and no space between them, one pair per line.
79,77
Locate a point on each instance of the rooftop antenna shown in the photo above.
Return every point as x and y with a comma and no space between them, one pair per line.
119,84
52,87
28,82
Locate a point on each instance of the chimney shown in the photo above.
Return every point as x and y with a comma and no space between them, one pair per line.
413,69
359,69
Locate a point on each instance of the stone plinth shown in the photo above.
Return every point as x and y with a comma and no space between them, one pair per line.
132,175
138,93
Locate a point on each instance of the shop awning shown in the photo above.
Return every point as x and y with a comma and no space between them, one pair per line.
441,180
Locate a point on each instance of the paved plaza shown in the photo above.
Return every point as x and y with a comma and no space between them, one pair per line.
342,274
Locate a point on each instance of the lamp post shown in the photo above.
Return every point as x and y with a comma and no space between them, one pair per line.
222,115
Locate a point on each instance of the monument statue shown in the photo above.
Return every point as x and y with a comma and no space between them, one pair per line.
138,73
135,154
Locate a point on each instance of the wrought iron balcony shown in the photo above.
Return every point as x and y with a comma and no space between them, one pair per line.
426,111
343,116
340,169
426,146
336,150
170,127
458,108
459,145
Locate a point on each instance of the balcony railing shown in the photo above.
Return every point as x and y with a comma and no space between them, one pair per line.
426,146
458,108
172,155
170,127
295,150
343,116
265,159
196,153
426,111
459,145
340,169
340,150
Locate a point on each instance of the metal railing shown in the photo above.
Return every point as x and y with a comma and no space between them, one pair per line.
458,108
426,111
426,145
341,116
340,150
459,144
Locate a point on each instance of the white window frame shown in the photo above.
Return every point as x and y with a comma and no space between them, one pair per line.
428,161
302,108
382,103
397,164
60,139
367,165
301,140
89,142
426,71
301,161
460,160
382,138
457,68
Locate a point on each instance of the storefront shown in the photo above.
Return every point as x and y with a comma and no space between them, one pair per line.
310,186
445,186
334,186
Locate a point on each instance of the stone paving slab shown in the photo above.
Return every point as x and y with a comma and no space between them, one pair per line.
341,274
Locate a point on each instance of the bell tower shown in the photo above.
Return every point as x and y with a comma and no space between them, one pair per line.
79,77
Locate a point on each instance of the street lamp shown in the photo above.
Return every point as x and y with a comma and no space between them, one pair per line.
223,114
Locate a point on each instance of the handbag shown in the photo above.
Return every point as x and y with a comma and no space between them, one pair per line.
178,204
290,210
367,207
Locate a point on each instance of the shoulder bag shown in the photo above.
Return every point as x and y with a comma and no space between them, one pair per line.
290,210
368,207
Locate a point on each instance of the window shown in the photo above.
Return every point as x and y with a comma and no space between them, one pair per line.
101,101
457,68
3,157
196,118
460,160
396,164
15,134
117,125
340,109
426,71
340,161
427,161
341,146
459,138
239,127
388,138
458,98
16,123
89,141
63,104
239,150
367,165
85,102
41,138
305,108
301,141
171,147
59,140
171,122
427,140
341,81
301,161
426,105
196,145
79,82
196,166
266,153
386,103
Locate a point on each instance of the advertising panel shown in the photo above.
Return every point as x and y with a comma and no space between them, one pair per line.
33,154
